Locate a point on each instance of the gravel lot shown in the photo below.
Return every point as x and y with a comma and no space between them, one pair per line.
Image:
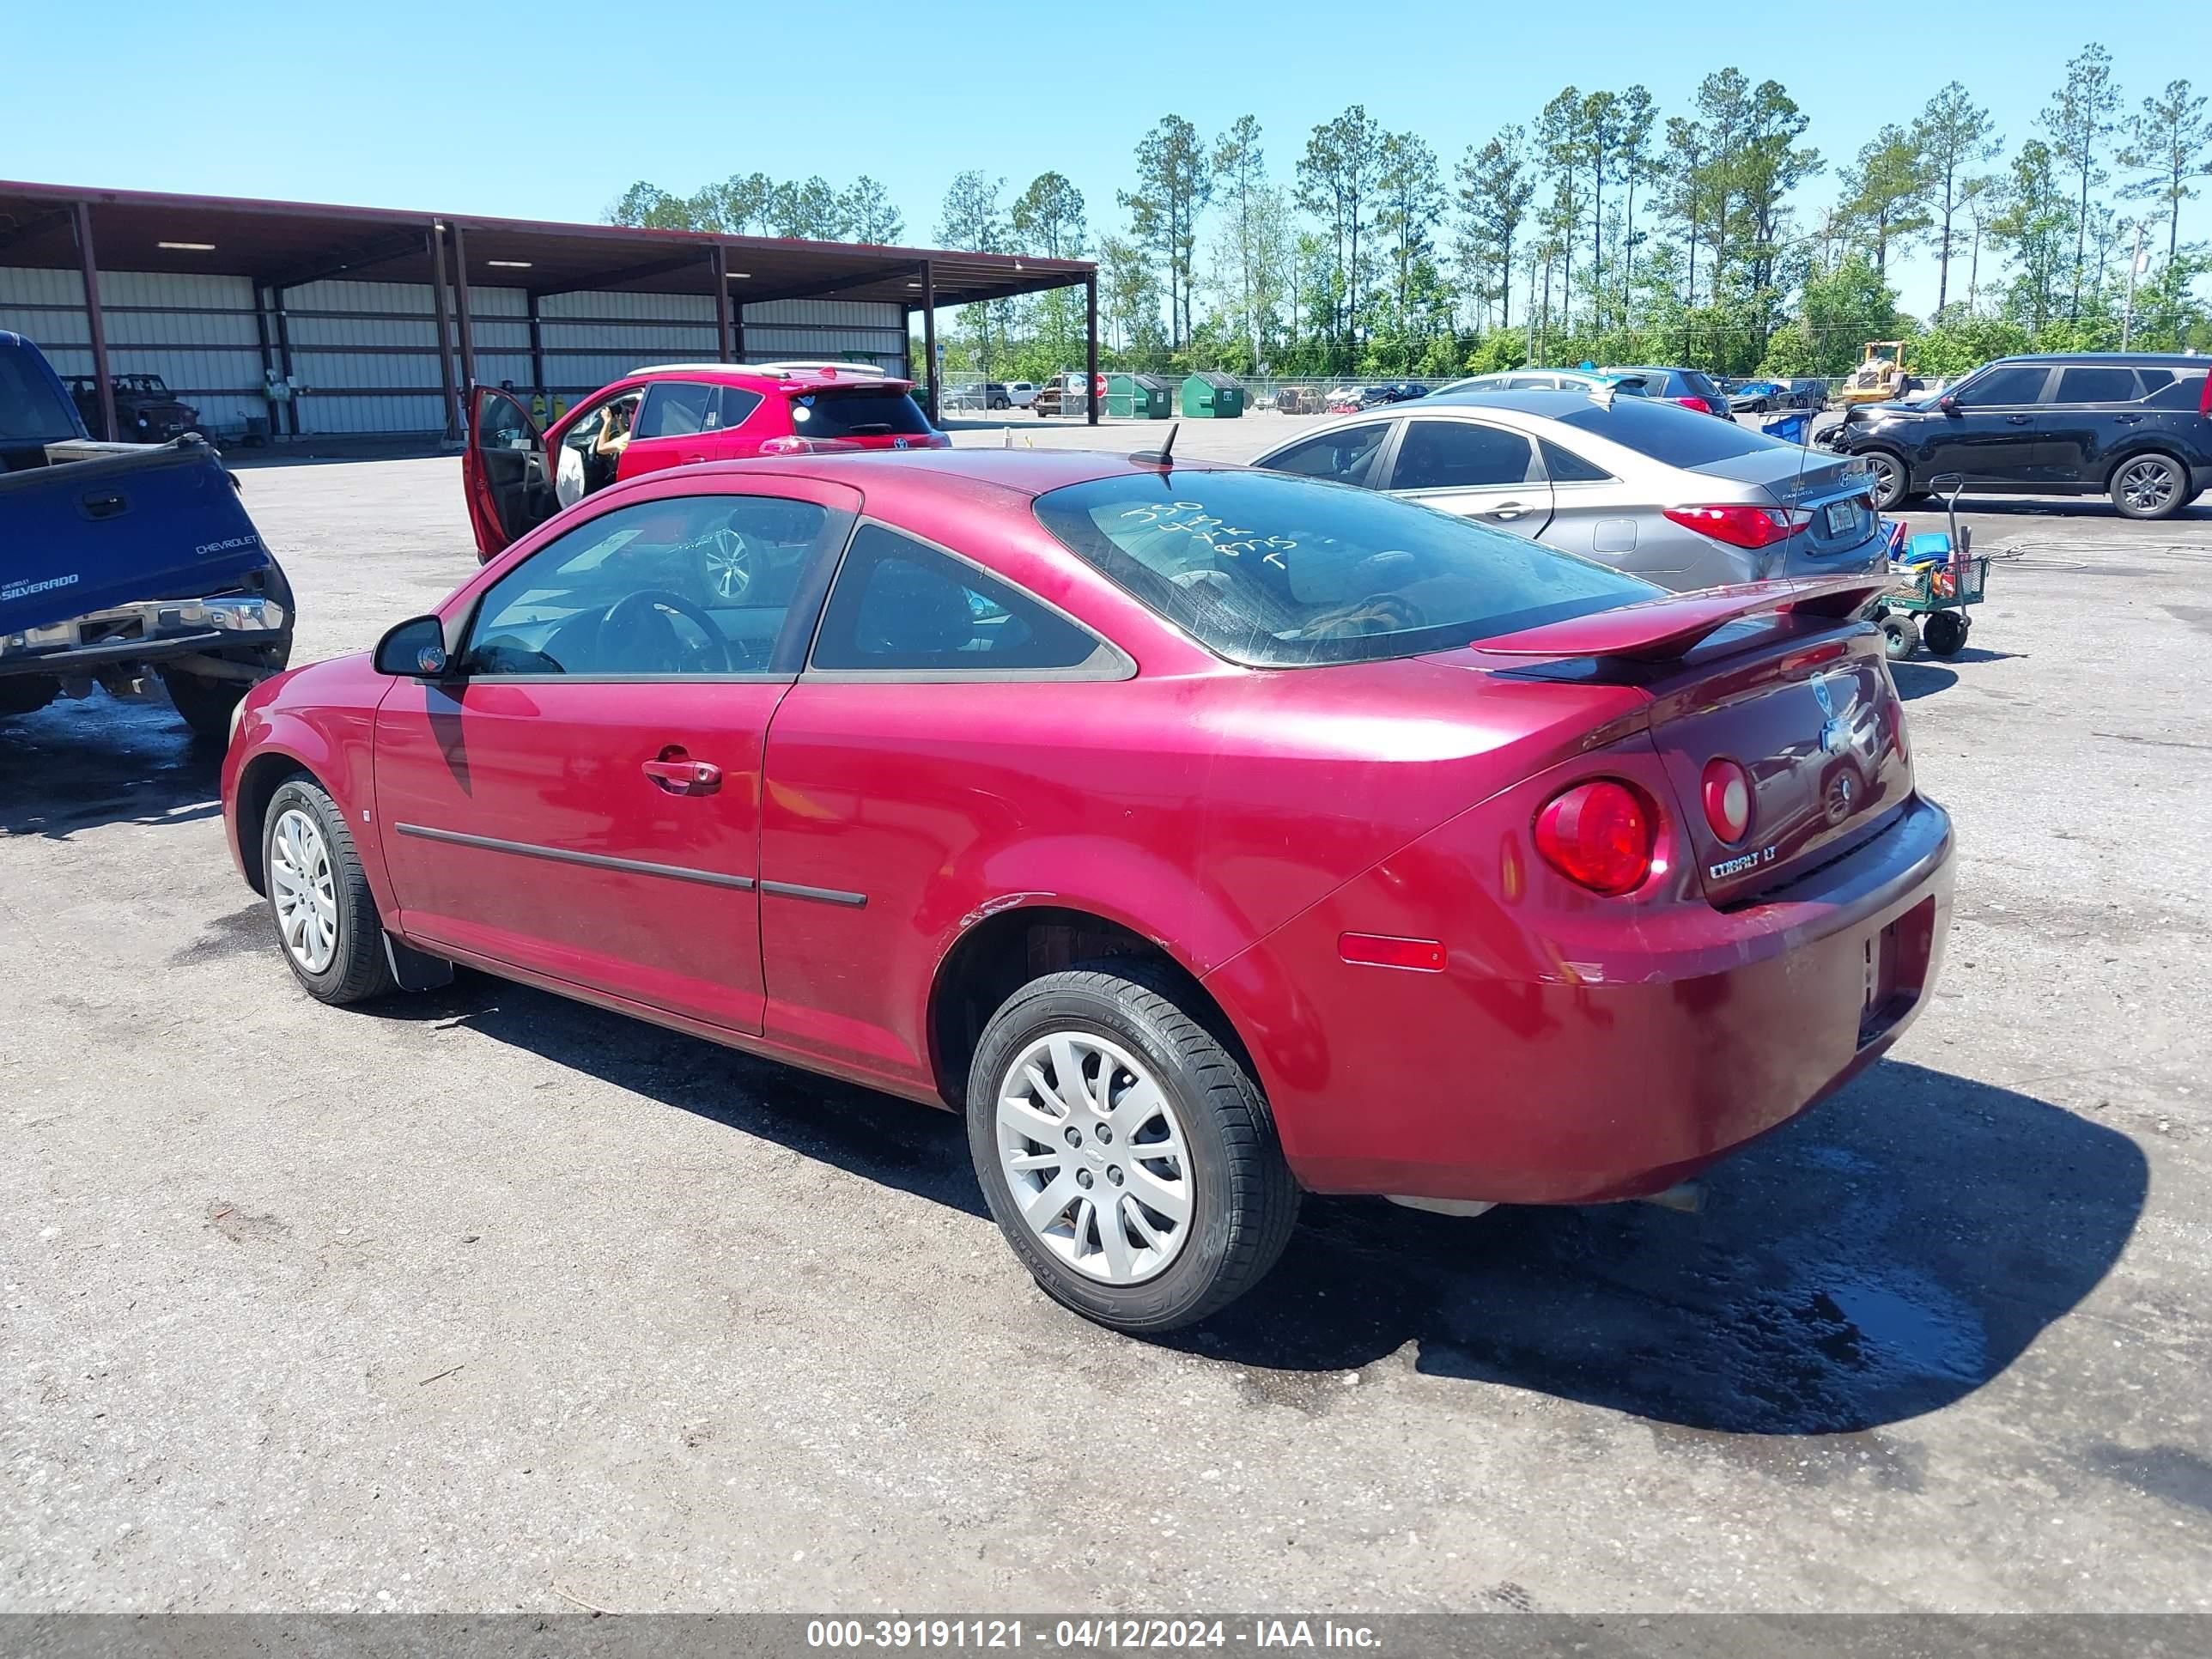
439,1305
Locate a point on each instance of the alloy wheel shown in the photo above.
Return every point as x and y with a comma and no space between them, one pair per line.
305,889
1095,1157
727,565
2147,486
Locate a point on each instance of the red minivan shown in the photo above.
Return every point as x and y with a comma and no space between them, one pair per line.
672,415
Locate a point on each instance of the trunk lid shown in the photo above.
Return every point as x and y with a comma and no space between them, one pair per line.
1838,490
1776,677
1817,725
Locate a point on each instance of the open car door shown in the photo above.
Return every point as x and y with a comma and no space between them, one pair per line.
503,471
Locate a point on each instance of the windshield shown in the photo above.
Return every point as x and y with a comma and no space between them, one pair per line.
861,411
31,408
1275,571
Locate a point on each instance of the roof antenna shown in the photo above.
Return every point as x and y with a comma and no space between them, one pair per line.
1161,458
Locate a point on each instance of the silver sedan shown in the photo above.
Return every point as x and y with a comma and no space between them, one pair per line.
1660,492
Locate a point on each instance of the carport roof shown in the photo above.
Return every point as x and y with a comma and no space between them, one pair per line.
286,244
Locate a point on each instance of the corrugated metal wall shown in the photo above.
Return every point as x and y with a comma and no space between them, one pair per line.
366,352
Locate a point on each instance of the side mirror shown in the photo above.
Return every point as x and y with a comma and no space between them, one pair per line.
415,650
1947,403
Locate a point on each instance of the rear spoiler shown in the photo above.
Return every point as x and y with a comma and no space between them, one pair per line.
1661,630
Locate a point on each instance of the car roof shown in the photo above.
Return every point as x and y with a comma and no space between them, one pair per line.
784,376
1023,472
2117,358
1527,400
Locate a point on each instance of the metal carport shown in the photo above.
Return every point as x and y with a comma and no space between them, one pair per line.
229,282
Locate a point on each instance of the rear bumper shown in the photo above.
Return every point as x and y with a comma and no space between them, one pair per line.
150,632
1609,1066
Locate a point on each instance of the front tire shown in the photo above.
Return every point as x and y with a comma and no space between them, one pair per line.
1124,1151
319,900
2149,487
1892,482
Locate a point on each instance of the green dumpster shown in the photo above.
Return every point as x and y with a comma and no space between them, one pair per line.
1210,397
1143,396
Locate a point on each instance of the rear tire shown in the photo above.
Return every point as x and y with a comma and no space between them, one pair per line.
1197,1227
204,704
27,694
2149,487
319,899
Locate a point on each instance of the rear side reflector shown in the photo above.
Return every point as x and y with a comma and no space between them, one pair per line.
1599,835
1425,956
1740,525
1727,791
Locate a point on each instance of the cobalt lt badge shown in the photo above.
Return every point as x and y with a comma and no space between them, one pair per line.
1835,730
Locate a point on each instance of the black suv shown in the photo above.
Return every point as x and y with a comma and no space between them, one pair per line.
2136,426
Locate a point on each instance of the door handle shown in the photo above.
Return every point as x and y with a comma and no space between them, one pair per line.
103,504
690,459
2017,420
677,773
1505,510
2129,420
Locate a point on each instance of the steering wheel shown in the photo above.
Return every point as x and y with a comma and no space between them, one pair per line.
641,612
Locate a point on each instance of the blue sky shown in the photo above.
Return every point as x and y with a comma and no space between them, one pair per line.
549,112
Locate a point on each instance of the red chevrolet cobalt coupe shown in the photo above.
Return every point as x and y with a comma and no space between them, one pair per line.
1203,835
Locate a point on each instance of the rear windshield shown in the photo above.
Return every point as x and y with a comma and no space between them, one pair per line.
32,409
1668,432
1275,571
858,411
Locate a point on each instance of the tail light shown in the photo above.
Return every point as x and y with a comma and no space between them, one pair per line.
1600,836
1740,525
2204,399
1698,404
1727,792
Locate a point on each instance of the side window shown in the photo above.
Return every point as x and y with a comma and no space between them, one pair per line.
687,584
1460,455
898,605
1345,455
2019,383
674,409
1564,466
2185,390
1532,383
2096,383
503,423
731,409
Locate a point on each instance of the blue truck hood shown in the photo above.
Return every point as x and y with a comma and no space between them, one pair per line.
161,522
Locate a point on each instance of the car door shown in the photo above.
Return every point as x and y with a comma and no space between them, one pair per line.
2092,408
1987,430
503,471
579,798
876,791
1474,469
1600,516
672,428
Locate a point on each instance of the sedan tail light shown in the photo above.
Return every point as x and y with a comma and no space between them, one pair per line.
1600,836
1742,524
1698,404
